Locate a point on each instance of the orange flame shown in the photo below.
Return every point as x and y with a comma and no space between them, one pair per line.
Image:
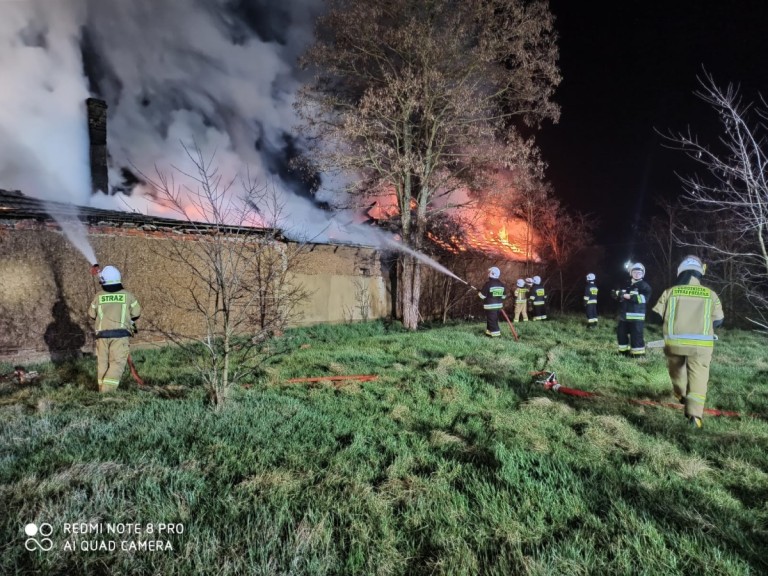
502,237
505,238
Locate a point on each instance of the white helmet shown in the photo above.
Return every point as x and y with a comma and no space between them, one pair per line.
529,280
590,277
691,263
537,280
109,275
637,266
494,272
520,283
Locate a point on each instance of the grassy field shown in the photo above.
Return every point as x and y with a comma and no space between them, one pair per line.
455,461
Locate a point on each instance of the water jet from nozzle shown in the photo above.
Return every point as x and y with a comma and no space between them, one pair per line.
465,282
421,257
75,232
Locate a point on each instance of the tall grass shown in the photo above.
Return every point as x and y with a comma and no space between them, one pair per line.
453,462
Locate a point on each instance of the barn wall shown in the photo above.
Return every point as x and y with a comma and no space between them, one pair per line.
46,287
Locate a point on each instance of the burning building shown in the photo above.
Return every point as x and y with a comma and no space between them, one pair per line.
469,242
45,287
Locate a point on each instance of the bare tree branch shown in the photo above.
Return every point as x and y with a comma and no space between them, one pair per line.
235,270
731,198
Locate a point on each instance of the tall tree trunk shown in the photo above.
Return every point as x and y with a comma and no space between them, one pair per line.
224,389
410,291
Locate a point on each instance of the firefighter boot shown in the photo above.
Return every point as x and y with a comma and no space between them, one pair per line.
695,422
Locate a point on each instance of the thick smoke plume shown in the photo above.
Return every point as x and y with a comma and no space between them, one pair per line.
217,73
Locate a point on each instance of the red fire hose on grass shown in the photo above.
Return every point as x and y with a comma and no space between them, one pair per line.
511,327
135,373
551,383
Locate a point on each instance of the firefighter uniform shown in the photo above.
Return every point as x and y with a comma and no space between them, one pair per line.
538,298
114,311
492,294
521,301
633,300
590,301
690,312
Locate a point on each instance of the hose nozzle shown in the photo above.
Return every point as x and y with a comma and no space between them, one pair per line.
95,270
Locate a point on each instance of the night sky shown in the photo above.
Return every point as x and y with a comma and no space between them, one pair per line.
629,70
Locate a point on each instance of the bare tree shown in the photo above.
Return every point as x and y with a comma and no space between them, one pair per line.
361,310
532,202
563,236
443,297
661,233
419,98
234,268
733,196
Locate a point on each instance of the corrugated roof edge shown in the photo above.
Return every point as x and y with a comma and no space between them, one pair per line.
15,205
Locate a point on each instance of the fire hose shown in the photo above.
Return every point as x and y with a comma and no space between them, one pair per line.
95,270
135,373
511,327
551,383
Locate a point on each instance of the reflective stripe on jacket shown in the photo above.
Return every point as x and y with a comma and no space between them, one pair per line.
633,310
493,294
538,295
590,294
689,312
113,311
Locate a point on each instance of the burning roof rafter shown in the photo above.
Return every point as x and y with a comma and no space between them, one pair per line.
473,231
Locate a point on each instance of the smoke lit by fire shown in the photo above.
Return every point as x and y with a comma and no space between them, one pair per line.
219,75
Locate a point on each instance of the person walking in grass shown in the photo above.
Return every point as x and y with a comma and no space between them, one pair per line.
114,311
521,301
590,301
492,294
690,314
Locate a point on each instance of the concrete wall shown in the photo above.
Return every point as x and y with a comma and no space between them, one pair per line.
46,287
345,283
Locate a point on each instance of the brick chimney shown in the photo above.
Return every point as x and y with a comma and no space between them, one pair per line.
97,134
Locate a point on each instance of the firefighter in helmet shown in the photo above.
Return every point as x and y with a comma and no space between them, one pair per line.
633,300
538,298
521,301
492,294
115,311
590,301
690,312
